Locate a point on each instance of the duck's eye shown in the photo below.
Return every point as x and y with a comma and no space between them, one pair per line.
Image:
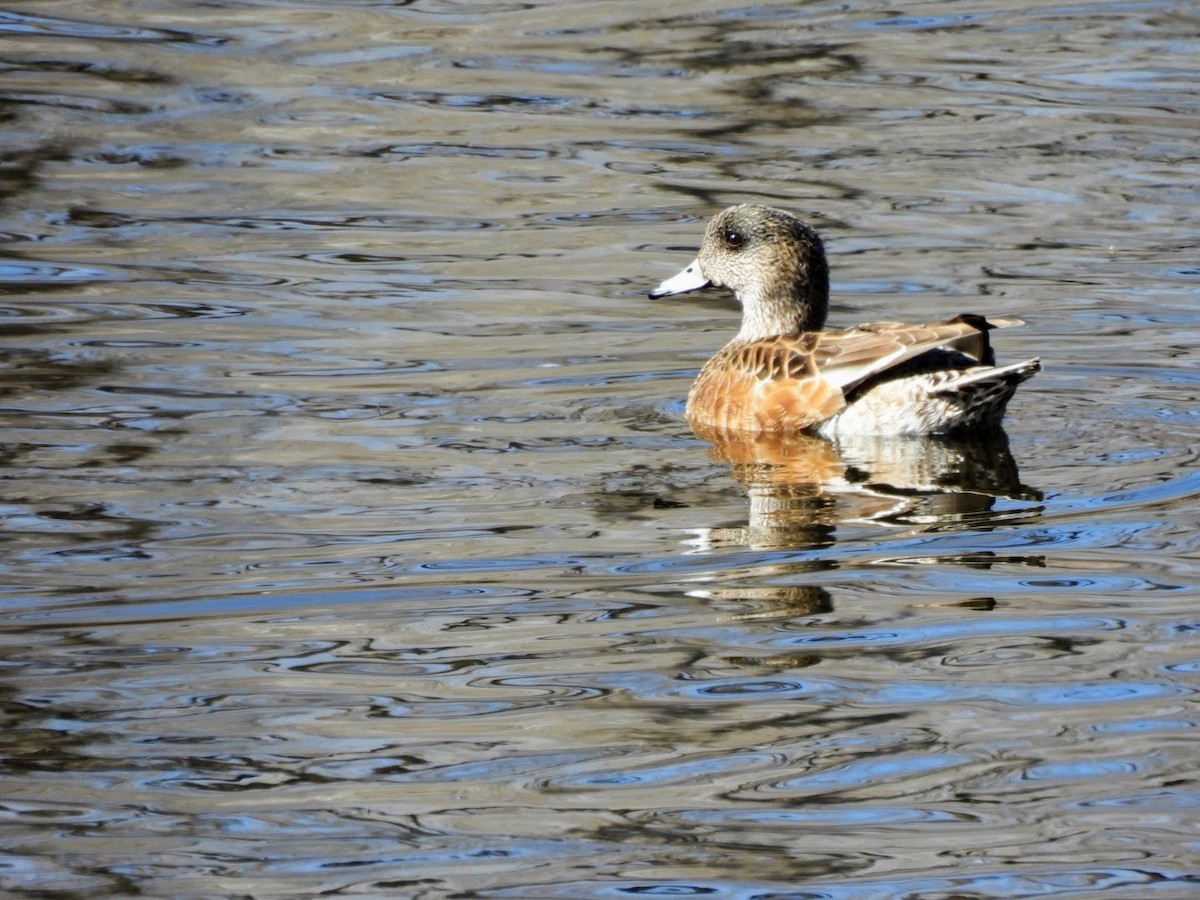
733,239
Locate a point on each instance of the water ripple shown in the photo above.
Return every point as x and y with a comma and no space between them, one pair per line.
26,24
355,541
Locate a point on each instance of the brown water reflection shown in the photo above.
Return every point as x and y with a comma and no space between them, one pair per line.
800,487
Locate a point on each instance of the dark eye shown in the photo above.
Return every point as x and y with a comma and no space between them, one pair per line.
733,239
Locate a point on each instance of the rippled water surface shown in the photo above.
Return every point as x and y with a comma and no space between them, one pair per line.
353,540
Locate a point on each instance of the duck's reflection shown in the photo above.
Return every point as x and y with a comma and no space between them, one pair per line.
801,487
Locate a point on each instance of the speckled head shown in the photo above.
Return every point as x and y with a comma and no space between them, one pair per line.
772,261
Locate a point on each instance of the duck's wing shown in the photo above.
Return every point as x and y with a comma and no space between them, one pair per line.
849,358
794,382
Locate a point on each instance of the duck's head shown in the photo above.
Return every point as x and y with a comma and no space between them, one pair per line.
772,261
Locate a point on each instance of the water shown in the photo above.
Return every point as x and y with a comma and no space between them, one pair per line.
354,543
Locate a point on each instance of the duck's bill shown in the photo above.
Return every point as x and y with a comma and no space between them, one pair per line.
690,279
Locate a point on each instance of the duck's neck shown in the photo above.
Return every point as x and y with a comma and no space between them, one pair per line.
798,307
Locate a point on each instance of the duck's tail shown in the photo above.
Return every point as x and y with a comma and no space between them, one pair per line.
980,394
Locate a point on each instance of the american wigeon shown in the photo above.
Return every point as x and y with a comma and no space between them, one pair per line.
783,374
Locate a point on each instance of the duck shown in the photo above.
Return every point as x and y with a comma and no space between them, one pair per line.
784,374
